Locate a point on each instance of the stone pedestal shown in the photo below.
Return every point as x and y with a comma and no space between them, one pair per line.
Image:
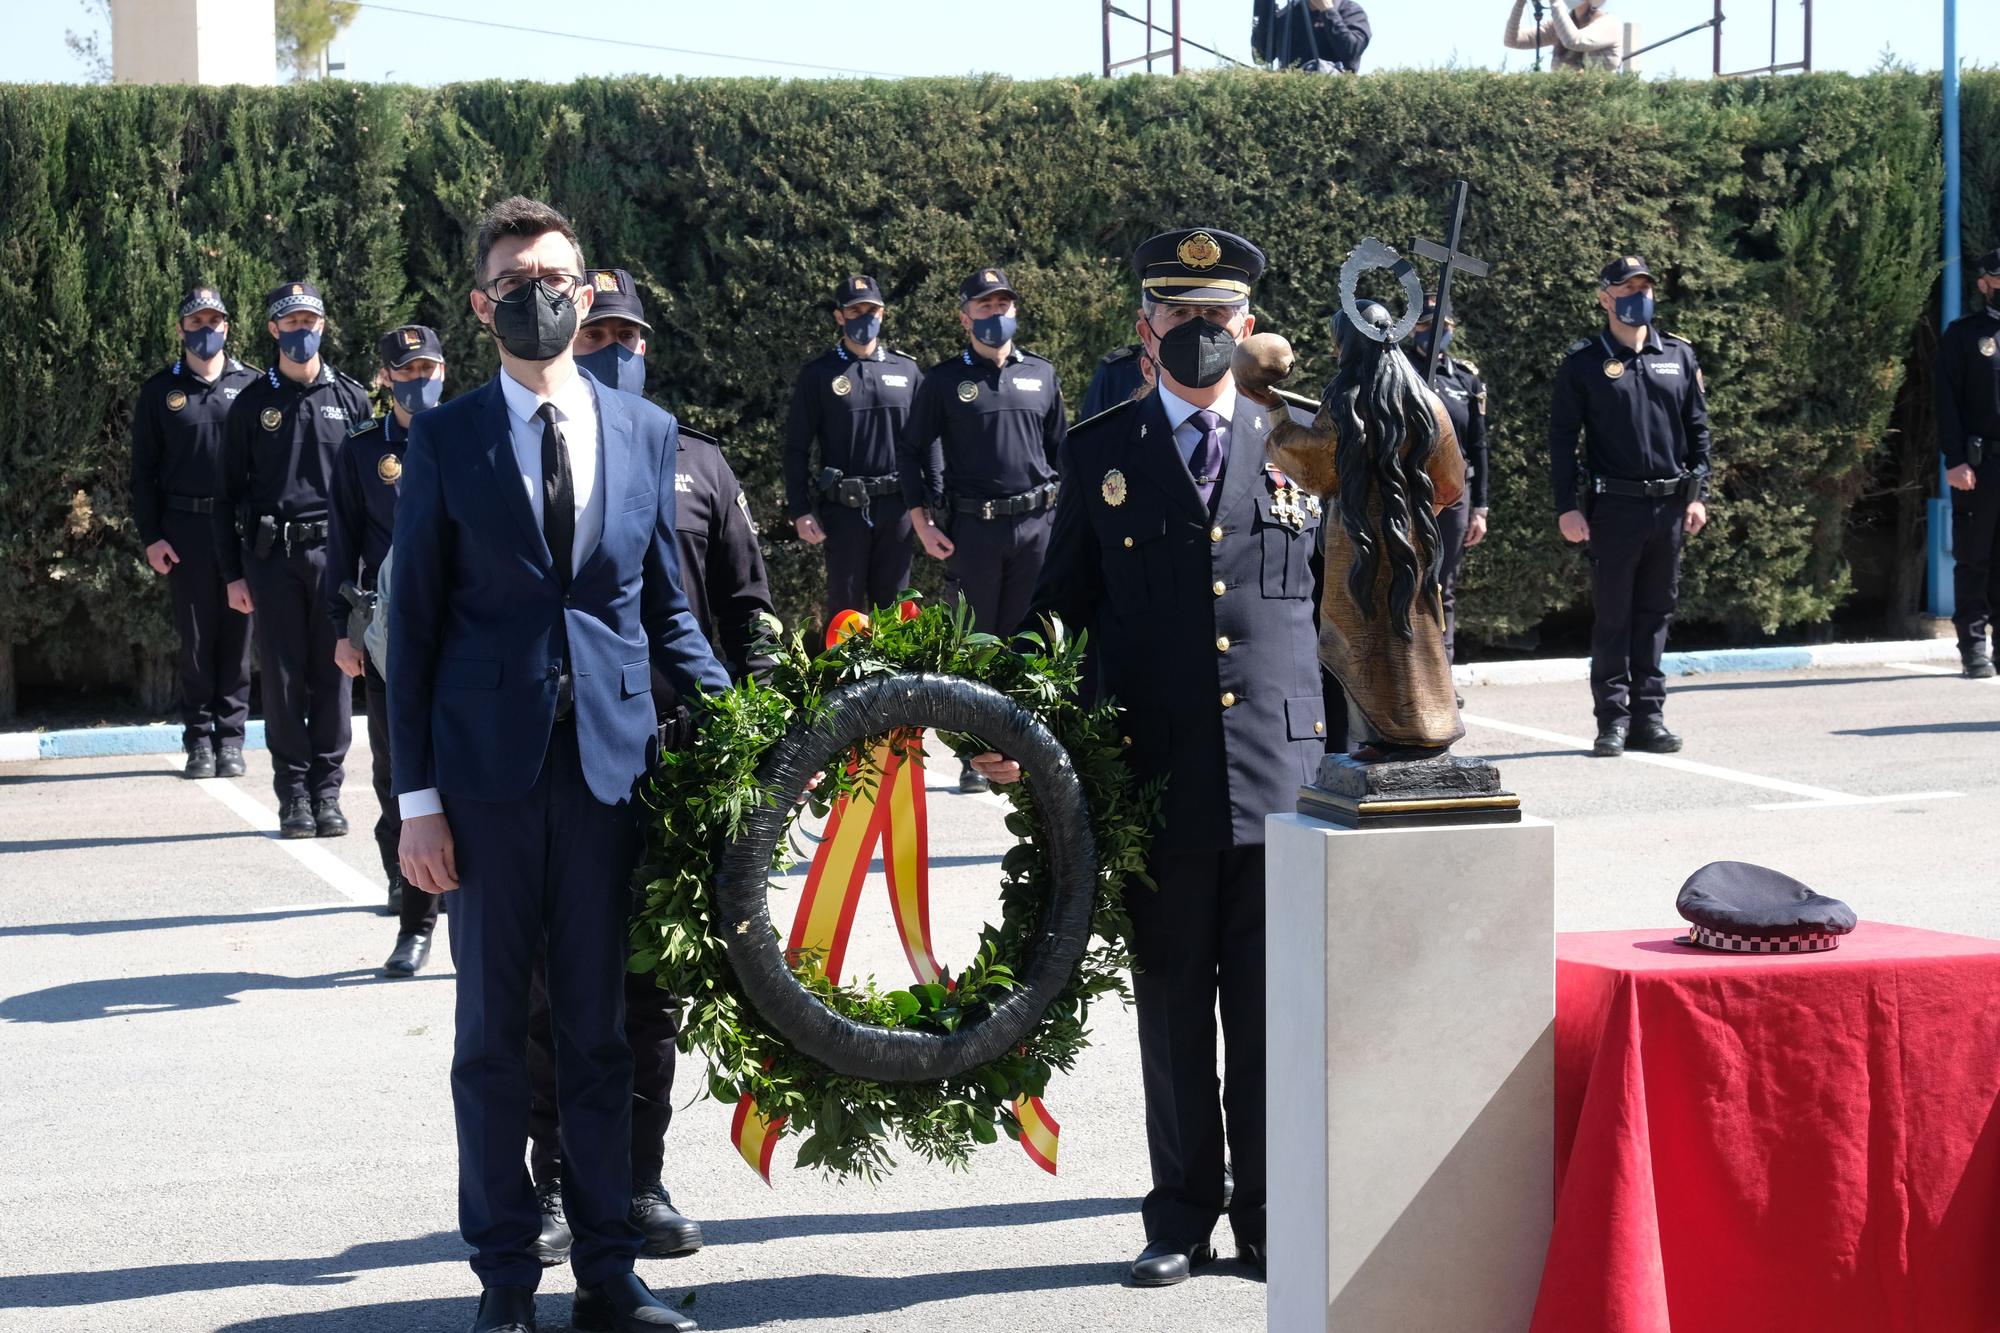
1411,1007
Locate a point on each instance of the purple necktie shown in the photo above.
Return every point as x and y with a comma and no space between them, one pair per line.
1206,464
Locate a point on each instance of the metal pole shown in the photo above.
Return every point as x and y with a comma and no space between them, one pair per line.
1177,36
1107,38
1774,34
1149,36
1718,38
1808,51
1939,563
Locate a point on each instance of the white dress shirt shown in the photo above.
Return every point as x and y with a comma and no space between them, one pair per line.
576,421
1187,435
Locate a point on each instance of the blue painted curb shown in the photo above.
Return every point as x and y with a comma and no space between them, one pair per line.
158,738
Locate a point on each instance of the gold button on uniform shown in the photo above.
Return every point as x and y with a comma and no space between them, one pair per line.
1218,587
1128,542
1222,644
1228,700
1127,740
1215,534
1319,728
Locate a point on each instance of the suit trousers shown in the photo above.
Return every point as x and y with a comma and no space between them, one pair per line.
1975,551
1635,580
545,876
995,566
1198,940
652,1027
308,701
420,909
213,663
865,566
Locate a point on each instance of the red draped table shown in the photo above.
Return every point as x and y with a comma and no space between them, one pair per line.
1769,1143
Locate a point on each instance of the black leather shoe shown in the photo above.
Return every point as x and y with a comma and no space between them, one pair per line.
395,907
1610,741
1252,1256
505,1310
1978,666
200,761
327,819
229,764
409,956
969,780
668,1235
552,1246
295,819
1165,1262
1653,737
623,1305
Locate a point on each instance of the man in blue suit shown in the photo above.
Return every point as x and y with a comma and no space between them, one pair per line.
537,585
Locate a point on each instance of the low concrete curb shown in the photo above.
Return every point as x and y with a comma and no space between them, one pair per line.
91,742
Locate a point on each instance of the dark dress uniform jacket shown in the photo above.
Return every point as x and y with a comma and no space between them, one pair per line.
1202,625
979,431
280,445
367,475
857,426
1645,421
722,566
1464,395
1968,386
177,441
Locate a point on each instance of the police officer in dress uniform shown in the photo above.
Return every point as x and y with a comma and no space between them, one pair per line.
979,452
1461,524
279,447
1968,423
183,521
722,573
1188,559
1635,495
1121,373
361,520
853,401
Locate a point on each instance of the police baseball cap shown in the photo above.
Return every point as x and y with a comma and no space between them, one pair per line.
856,288
412,342
1197,266
1743,908
1623,269
615,296
984,282
202,297
1430,314
289,296
1989,264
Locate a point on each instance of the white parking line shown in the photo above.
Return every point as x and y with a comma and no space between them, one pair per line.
343,878
1811,797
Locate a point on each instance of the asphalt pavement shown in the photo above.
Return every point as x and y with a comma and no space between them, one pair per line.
218,1116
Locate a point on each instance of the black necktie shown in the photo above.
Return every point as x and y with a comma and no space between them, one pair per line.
558,494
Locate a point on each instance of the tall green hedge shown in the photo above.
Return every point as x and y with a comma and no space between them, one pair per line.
1793,222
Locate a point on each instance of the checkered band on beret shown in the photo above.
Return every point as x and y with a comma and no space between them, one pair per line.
1809,942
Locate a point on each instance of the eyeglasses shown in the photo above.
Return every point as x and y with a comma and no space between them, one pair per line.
511,285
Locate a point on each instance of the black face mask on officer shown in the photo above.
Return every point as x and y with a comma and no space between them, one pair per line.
1196,353
534,322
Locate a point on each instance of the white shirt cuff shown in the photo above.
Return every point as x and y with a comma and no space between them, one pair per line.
416,804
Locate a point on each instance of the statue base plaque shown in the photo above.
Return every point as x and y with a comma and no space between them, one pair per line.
1408,793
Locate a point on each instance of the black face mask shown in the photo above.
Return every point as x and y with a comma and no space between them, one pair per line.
534,323
1197,353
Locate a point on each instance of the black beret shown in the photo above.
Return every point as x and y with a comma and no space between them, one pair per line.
1746,908
615,296
856,288
289,296
1623,269
984,282
1197,266
412,342
201,296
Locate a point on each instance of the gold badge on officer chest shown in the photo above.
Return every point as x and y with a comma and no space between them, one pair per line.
177,400
1986,346
967,391
271,418
1614,368
389,468
1114,488
842,386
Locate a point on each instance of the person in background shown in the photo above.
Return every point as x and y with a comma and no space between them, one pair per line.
1584,36
1123,372
1324,36
1968,425
1462,523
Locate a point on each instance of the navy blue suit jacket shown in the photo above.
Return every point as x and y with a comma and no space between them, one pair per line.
473,617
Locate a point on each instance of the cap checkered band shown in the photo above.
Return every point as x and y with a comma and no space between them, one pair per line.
295,299
1808,942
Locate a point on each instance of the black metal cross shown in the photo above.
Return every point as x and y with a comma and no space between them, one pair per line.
1453,260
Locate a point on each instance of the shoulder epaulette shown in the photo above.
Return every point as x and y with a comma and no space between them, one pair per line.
897,351
1117,354
690,433
1675,338
1469,365
1104,416
1579,345
373,423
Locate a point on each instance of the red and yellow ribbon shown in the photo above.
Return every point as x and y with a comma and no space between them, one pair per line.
890,812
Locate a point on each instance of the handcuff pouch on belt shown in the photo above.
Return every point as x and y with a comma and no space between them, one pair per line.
1975,451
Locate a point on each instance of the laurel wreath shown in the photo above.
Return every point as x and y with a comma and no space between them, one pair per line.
698,802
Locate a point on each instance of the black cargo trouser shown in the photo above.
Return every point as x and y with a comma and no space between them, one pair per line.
308,700
213,660
1635,580
995,564
1975,550
865,566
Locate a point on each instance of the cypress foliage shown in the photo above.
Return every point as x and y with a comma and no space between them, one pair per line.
1792,222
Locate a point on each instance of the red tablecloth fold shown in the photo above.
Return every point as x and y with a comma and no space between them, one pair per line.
1773,1143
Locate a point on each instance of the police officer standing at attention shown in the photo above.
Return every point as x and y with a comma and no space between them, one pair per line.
722,573
1121,373
183,522
853,401
367,476
1635,494
1188,560
280,443
980,452
1462,523
1968,423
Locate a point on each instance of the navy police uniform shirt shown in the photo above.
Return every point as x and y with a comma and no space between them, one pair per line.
1118,376
177,429
1968,385
1464,395
1202,623
280,444
1643,415
361,515
980,431
722,566
855,408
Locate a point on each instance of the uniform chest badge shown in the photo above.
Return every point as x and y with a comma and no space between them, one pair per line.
842,386
271,418
1614,369
177,400
389,468
1986,346
1114,488
967,391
